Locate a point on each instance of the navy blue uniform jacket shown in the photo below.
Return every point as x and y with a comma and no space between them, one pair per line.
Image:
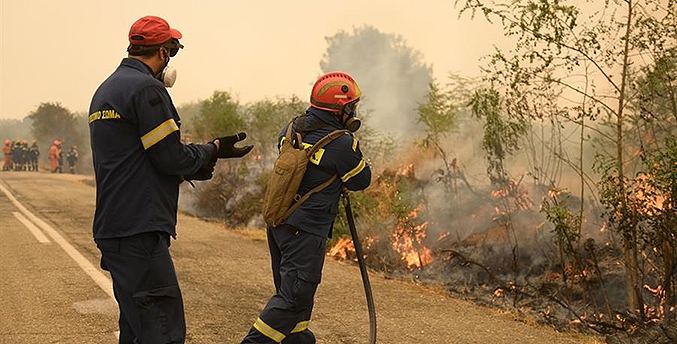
341,157
138,156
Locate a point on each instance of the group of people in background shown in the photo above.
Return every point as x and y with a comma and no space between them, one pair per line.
21,157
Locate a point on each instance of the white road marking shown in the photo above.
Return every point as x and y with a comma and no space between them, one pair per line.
99,278
31,227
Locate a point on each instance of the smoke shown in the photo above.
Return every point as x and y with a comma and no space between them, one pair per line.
474,210
14,129
393,77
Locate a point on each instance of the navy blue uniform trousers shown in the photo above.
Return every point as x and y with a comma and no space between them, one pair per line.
145,287
297,259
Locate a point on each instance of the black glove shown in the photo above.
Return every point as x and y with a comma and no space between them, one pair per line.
205,172
227,147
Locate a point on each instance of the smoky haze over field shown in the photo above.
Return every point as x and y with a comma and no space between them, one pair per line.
393,77
254,49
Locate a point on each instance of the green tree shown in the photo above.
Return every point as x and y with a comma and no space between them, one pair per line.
660,211
266,118
438,116
500,141
219,115
559,55
51,121
657,100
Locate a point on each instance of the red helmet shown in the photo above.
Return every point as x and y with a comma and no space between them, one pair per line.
333,91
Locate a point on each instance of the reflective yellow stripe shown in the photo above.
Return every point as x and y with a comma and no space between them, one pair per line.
326,87
160,132
354,144
302,326
355,171
268,331
317,157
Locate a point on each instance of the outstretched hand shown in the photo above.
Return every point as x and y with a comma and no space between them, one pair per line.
226,146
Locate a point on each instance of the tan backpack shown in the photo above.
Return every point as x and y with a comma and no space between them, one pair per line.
281,198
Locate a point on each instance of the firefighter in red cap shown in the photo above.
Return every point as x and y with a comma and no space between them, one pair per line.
297,247
139,161
54,153
7,150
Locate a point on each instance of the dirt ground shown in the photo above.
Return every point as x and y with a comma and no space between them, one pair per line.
225,279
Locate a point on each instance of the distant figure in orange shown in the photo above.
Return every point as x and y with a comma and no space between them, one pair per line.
54,153
7,149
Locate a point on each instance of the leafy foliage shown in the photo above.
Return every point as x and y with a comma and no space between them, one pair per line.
219,115
501,133
265,120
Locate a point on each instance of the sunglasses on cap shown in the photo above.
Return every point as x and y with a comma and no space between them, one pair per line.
173,47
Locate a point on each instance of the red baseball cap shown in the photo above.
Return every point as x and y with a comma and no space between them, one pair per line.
151,30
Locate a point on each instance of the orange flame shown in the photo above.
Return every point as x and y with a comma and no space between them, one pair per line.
406,170
342,248
408,239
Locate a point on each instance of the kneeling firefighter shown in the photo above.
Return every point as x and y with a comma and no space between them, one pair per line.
330,159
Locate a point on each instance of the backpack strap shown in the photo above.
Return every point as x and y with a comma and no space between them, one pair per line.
326,140
305,197
293,136
287,136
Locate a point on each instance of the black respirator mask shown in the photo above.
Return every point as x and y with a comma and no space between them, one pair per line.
349,112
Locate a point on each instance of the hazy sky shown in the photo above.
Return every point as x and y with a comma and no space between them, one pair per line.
60,51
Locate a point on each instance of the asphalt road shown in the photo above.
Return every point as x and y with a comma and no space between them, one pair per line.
49,295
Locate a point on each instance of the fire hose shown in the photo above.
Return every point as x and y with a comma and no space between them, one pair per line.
363,268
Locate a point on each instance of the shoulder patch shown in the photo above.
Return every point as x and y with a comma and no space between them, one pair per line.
154,101
317,157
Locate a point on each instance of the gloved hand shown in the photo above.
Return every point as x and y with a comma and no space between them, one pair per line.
205,172
227,149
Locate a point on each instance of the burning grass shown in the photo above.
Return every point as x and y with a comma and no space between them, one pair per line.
518,247
497,248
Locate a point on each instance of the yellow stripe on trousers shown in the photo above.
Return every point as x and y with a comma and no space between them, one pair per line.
276,335
302,326
268,331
